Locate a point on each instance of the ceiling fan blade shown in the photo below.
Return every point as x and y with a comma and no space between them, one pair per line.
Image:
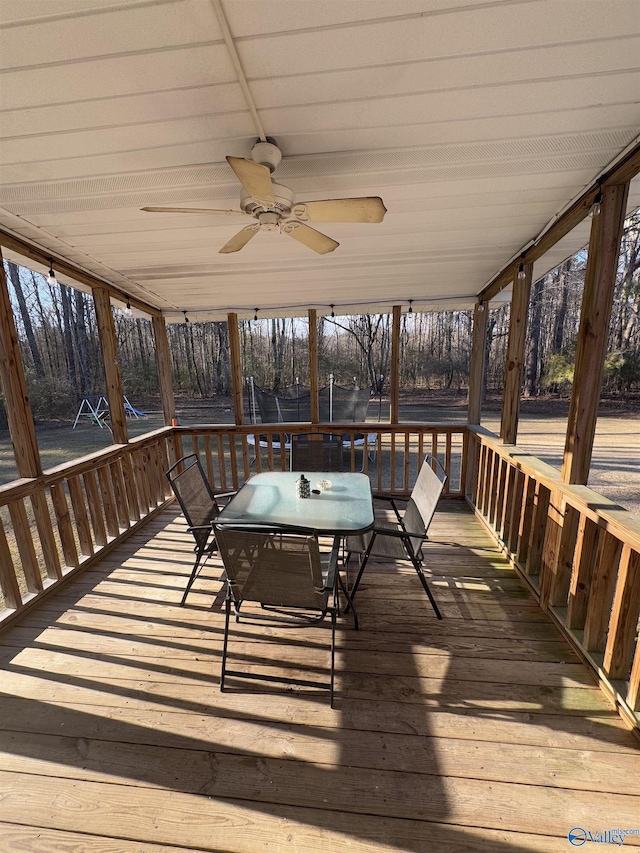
366,209
255,178
311,238
240,240
191,210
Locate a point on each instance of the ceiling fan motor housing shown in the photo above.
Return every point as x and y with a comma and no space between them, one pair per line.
284,199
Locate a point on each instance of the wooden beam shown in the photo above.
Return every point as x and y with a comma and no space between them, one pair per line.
313,365
113,381
236,367
515,355
591,348
620,173
395,365
66,268
163,363
14,389
476,370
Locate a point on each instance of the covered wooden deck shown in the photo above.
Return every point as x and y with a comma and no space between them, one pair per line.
482,732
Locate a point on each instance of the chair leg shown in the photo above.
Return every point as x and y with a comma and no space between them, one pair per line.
333,655
194,575
350,605
423,581
365,559
227,614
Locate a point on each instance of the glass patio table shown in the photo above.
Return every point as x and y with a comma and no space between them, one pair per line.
270,498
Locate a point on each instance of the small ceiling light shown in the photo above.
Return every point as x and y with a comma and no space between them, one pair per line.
51,278
128,310
186,319
480,307
255,313
596,207
521,274
410,306
333,313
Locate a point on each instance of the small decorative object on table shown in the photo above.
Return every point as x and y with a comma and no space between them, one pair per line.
323,485
303,487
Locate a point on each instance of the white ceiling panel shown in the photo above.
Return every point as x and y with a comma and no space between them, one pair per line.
477,123
47,42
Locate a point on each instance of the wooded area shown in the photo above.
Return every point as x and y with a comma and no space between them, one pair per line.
59,343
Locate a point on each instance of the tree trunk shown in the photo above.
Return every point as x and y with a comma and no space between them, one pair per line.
67,319
14,276
531,365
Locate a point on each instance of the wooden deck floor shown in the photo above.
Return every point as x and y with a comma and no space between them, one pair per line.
482,732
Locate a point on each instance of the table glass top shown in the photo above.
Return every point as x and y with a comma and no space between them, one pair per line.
270,498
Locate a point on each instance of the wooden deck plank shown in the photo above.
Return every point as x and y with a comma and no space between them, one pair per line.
482,732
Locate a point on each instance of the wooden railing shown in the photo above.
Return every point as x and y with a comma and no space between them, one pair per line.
55,524
390,455
578,551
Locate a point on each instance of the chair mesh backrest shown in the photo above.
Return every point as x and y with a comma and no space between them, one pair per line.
192,490
422,503
315,455
275,568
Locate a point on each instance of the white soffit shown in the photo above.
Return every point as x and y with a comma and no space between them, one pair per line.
476,122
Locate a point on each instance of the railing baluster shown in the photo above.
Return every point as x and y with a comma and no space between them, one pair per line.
65,527
80,514
45,531
222,463
603,580
95,508
8,579
618,653
24,541
108,502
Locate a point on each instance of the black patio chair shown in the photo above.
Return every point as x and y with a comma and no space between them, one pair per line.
316,453
200,508
285,571
403,538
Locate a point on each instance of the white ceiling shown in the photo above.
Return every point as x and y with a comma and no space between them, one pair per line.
476,122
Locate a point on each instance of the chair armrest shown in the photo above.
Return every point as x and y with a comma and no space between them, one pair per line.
380,497
225,494
199,527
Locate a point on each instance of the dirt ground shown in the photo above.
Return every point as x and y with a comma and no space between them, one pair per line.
615,470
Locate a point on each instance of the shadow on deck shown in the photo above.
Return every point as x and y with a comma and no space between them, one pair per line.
482,732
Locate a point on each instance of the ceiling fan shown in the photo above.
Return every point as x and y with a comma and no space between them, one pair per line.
275,208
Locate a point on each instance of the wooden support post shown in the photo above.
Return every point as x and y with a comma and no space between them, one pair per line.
163,363
14,389
313,365
591,349
236,368
476,370
515,356
113,381
395,365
